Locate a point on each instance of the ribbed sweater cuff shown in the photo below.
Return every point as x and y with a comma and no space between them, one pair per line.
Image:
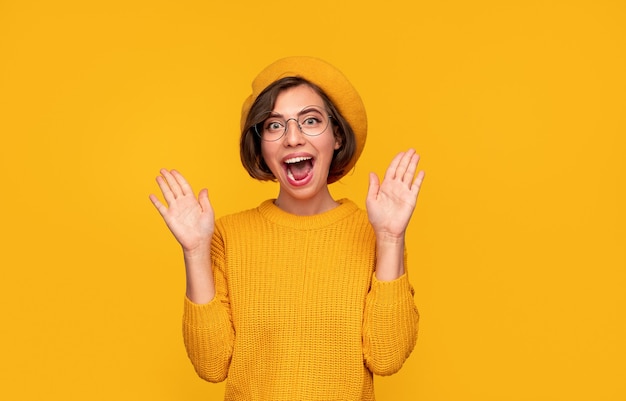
389,293
200,315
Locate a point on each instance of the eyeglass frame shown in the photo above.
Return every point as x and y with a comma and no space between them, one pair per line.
286,126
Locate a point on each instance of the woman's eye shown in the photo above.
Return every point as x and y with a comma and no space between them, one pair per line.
273,126
310,121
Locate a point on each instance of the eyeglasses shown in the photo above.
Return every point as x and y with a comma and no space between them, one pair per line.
311,121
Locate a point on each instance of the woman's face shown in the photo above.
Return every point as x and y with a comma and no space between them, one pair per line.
300,162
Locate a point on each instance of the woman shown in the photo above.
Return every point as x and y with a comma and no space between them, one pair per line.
304,297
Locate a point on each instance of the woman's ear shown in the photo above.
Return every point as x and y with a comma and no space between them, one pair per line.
338,139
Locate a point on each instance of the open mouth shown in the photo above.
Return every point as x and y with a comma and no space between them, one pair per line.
299,168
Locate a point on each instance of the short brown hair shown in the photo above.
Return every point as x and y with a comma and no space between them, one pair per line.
250,142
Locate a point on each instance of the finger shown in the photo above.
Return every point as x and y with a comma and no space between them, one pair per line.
203,199
374,186
417,182
390,174
182,182
172,183
166,190
158,205
411,168
403,166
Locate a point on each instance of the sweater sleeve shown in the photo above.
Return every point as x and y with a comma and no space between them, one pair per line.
208,330
390,325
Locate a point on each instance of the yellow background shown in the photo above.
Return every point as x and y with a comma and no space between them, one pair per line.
517,248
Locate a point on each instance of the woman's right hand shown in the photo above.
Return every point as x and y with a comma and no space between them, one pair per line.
190,219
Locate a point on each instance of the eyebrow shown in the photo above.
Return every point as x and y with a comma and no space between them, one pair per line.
305,110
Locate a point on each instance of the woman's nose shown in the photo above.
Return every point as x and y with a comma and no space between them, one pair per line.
293,134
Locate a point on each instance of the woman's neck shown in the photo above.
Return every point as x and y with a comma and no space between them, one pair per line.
321,203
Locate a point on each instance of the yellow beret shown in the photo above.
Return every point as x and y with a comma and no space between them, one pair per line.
329,79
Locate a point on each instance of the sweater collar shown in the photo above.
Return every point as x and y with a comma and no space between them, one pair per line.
278,216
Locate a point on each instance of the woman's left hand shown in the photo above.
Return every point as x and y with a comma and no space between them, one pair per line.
390,204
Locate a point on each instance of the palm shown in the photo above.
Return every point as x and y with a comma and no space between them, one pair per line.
390,204
190,219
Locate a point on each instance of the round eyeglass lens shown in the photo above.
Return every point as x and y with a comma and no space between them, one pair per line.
311,121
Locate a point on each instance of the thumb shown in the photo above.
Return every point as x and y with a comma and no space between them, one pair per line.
374,185
203,199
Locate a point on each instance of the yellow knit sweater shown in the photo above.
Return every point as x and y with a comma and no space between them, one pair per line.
299,314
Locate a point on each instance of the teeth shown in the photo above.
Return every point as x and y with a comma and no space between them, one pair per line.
297,159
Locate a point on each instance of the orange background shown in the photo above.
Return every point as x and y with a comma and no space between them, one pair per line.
517,248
